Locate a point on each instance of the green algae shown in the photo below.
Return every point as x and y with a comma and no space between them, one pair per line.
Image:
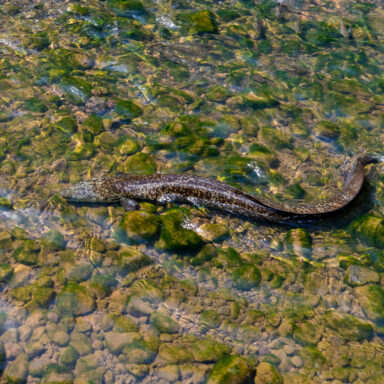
231,369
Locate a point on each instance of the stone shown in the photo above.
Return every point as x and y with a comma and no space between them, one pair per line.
39,365
17,371
327,130
124,324
169,372
208,350
267,374
140,225
213,231
75,300
81,343
164,323
246,277
306,333
79,273
130,259
357,275
174,354
69,356
137,307
60,338
6,271
233,369
173,237
116,341
209,319
299,243
369,229
371,297
140,163
127,109
204,21
140,352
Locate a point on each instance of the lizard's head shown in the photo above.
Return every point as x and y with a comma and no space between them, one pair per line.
92,191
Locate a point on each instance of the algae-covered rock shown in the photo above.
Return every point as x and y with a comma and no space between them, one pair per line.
17,371
371,298
126,8
306,333
75,300
93,124
77,89
213,231
37,41
79,272
173,236
357,275
327,130
267,374
140,225
27,254
140,163
6,271
204,21
124,324
116,341
163,323
299,243
206,253
127,109
348,326
130,259
175,354
83,151
209,350
246,277
218,93
210,319
33,104
140,352
66,124
233,369
369,229
101,284
128,146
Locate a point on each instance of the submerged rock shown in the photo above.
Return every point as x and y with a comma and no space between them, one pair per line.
246,277
75,300
357,275
164,323
267,374
173,236
370,229
204,21
140,225
371,298
6,271
348,326
233,369
17,370
299,243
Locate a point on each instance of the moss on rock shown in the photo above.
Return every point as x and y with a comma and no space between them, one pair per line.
173,236
246,277
140,225
369,229
233,369
75,300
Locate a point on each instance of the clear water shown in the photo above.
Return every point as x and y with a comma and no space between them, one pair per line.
275,100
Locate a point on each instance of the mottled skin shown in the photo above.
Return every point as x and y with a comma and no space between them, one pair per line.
204,191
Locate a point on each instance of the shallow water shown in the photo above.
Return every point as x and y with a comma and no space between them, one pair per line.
273,101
